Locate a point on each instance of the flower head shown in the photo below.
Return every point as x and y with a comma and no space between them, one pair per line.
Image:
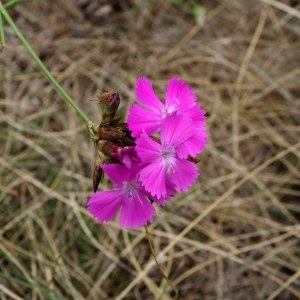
165,163
128,197
156,161
180,100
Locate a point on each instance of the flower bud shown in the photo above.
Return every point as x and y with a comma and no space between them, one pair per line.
97,176
109,103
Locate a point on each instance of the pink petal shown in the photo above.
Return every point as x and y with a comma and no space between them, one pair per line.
179,94
195,113
146,95
148,150
104,205
170,192
185,174
153,178
194,145
127,156
140,119
176,129
118,173
136,212
170,189
159,201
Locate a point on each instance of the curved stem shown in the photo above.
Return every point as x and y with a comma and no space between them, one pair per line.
157,263
2,36
43,68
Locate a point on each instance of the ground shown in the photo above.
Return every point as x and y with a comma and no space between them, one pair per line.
235,234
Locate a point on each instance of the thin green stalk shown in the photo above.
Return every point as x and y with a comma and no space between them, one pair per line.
2,36
12,3
148,236
43,68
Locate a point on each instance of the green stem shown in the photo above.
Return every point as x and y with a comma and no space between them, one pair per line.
50,77
11,3
2,36
148,236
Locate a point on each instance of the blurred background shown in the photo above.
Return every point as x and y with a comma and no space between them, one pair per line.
235,234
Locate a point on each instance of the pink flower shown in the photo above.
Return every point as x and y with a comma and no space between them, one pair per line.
167,135
180,100
166,166
128,196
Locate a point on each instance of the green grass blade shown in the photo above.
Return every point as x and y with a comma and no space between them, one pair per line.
12,3
2,35
43,68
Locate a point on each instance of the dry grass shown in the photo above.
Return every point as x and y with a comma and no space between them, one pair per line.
235,235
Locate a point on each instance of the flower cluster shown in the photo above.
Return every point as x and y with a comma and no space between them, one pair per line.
168,137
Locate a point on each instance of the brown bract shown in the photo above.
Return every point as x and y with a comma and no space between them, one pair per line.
112,135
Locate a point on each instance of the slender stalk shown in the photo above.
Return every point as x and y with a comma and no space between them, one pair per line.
2,36
43,68
11,3
157,263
